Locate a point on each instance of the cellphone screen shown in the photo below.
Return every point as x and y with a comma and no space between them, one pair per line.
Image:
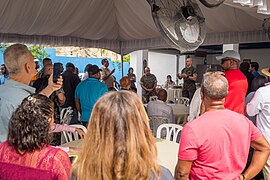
56,71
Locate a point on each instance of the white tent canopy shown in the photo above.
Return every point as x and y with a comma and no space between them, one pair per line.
118,25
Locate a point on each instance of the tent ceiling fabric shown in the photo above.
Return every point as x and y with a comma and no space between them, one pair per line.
117,25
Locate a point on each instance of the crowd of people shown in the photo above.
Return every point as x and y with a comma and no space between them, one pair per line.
228,115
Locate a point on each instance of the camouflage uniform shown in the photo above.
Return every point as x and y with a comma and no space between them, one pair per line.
189,86
148,81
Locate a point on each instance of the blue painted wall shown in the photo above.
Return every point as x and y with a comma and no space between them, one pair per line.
81,62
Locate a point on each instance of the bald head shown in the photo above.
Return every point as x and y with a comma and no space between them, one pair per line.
147,70
188,62
15,56
215,85
162,95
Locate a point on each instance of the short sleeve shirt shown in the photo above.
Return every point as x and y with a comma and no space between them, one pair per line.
190,71
88,92
238,85
148,81
218,143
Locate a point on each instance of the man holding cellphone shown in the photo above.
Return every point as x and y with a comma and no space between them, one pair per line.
21,66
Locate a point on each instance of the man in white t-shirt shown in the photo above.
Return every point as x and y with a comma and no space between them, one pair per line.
260,106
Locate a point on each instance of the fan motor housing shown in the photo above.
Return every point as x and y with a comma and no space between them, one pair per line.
188,12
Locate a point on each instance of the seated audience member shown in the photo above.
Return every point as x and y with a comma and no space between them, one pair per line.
209,148
27,153
159,107
125,83
169,83
254,67
120,145
244,67
5,74
259,106
258,81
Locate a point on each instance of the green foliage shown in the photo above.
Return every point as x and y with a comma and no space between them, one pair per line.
38,52
103,51
127,58
3,47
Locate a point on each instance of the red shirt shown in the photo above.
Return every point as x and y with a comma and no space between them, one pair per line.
238,86
218,143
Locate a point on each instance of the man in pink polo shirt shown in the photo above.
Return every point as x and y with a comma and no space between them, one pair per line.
216,144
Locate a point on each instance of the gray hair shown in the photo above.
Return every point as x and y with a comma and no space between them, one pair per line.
14,56
215,85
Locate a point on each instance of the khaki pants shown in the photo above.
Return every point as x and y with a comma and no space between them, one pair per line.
266,170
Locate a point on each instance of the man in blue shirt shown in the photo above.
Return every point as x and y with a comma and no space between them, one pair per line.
20,63
88,92
5,74
254,67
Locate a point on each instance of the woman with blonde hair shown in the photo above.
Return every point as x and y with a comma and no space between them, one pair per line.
119,144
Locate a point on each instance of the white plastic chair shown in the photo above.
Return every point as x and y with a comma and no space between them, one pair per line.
183,100
66,115
153,98
156,121
172,131
72,136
